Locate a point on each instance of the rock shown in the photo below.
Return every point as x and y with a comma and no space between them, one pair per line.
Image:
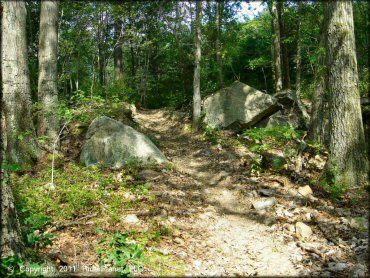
266,192
148,174
238,106
131,219
197,264
360,223
172,219
286,98
317,162
113,143
280,119
303,230
359,270
305,191
265,203
164,251
183,255
292,106
337,267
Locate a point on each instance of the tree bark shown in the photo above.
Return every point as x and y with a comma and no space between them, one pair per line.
219,12
197,57
11,243
276,48
118,59
48,124
299,51
347,159
306,117
101,60
319,112
21,143
284,48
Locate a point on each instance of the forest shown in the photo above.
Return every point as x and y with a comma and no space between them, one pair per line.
184,138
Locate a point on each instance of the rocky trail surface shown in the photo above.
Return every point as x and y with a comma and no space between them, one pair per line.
221,228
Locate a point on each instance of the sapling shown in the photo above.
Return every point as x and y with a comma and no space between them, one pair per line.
51,185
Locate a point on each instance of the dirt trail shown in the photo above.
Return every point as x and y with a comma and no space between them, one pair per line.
225,237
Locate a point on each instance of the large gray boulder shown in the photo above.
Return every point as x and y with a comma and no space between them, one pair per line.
113,143
238,106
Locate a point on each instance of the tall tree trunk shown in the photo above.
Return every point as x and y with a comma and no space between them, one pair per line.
219,13
100,47
197,57
118,59
319,111
284,48
305,116
11,243
48,124
21,143
298,60
276,52
347,159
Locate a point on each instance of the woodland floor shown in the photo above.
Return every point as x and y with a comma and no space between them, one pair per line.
206,202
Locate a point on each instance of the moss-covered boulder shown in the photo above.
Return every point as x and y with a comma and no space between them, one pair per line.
115,144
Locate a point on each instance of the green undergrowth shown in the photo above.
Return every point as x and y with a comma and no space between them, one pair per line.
83,109
96,190
272,136
212,135
262,140
77,191
132,253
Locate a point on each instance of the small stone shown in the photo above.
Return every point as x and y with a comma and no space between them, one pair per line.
303,230
164,251
172,219
337,267
163,213
131,219
266,192
265,203
197,264
129,196
305,191
252,194
308,216
183,255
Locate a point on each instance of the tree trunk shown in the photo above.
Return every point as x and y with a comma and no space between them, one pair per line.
219,11
276,56
11,243
319,111
299,51
48,124
306,117
197,57
284,47
22,147
11,239
118,59
347,159
101,60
